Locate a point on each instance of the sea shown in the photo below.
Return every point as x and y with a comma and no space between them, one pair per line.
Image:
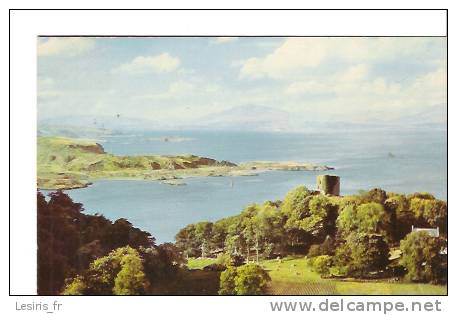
403,160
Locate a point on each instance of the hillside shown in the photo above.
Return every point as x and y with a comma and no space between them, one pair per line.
65,163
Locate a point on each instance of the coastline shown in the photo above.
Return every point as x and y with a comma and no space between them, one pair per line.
67,181
65,163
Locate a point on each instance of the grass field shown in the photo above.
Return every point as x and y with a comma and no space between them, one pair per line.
293,276
199,263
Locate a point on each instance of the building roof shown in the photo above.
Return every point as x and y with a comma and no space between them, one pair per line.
432,232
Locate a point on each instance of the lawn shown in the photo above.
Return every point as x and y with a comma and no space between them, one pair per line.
293,276
199,263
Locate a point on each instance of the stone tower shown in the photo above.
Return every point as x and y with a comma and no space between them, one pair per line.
328,184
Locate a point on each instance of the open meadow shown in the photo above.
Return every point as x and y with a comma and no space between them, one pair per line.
293,276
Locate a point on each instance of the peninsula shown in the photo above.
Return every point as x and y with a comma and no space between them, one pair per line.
65,163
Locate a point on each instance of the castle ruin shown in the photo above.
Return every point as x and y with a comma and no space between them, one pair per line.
328,184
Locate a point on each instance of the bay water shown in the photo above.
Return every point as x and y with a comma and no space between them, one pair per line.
395,159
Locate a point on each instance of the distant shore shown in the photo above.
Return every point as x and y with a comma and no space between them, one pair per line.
65,163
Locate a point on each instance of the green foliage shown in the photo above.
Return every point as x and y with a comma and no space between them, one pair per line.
422,258
314,251
326,248
365,218
421,195
321,220
361,255
376,195
429,213
403,218
119,273
227,281
354,230
68,241
322,264
227,259
249,279
254,232
310,217
195,239
75,287
285,281
130,279
295,202
70,163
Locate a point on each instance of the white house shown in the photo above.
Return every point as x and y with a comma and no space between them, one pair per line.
432,232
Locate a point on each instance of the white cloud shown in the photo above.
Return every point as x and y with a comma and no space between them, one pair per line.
299,54
46,88
306,87
69,46
162,63
331,83
180,88
223,40
342,79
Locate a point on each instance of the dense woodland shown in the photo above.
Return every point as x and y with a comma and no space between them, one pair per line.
367,235
89,254
351,236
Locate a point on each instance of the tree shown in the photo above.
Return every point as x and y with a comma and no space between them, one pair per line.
186,241
251,279
58,237
203,237
321,219
123,233
295,203
227,281
120,273
422,257
361,254
310,217
75,287
69,240
369,253
402,216
322,264
430,213
130,280
370,218
374,195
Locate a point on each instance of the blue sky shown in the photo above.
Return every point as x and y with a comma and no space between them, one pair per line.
185,80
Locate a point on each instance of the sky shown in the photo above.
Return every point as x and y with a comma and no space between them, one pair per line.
187,80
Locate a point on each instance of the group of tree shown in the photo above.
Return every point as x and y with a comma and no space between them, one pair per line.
89,254
343,236
248,279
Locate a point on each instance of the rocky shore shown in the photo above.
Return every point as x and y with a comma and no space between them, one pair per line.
65,163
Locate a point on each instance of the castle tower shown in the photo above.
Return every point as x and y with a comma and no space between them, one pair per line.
328,184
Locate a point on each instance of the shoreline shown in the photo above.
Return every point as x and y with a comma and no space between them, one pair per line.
175,177
65,163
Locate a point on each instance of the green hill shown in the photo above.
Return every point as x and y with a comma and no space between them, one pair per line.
73,163
65,163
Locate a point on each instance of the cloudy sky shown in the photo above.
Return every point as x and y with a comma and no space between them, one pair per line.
184,80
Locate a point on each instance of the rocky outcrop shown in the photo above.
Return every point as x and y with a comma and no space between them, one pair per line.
90,148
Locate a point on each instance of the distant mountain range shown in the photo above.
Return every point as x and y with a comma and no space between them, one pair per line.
246,117
240,118
436,114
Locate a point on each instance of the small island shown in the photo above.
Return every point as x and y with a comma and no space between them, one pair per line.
65,163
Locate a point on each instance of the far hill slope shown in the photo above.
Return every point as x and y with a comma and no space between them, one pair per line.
65,163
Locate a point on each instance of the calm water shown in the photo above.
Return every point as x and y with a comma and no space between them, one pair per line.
361,159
